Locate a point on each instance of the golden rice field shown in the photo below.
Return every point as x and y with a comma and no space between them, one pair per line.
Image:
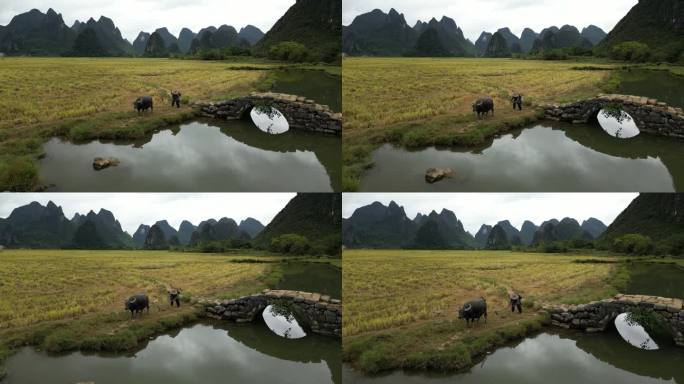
401,307
47,285
417,102
389,288
92,98
42,90
379,92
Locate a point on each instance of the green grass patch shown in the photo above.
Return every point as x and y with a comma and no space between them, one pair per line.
432,346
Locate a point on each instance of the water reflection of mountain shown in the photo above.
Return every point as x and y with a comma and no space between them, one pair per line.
665,363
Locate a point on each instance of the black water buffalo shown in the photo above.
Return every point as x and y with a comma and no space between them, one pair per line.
483,107
142,104
137,303
174,296
517,101
473,310
516,302
175,99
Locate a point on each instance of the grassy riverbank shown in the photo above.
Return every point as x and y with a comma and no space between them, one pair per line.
91,98
401,306
422,102
60,300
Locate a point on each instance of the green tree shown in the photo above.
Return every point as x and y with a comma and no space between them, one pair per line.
633,243
289,51
290,243
631,51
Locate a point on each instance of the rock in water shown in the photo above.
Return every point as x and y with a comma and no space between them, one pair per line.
434,175
634,333
101,163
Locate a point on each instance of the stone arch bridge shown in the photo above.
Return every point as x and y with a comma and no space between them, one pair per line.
300,112
598,315
318,313
650,115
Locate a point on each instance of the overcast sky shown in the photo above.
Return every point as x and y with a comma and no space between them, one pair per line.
133,209
133,16
489,15
475,209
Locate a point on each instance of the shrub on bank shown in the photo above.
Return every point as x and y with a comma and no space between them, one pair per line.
633,244
291,244
631,51
289,51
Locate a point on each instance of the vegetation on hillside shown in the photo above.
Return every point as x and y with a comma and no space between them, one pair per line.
656,25
315,219
314,24
657,216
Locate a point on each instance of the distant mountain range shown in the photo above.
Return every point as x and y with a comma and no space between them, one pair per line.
160,235
38,226
379,34
37,34
315,216
207,38
380,226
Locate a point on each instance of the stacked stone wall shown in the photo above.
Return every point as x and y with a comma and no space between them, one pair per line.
320,313
598,315
300,112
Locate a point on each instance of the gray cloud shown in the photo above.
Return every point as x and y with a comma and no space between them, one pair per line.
489,15
133,209
475,209
133,16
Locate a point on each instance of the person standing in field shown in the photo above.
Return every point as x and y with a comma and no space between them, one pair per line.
516,302
175,99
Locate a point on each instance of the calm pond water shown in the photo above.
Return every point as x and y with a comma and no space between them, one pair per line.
560,358
204,353
319,86
544,158
666,280
661,85
199,156
321,278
